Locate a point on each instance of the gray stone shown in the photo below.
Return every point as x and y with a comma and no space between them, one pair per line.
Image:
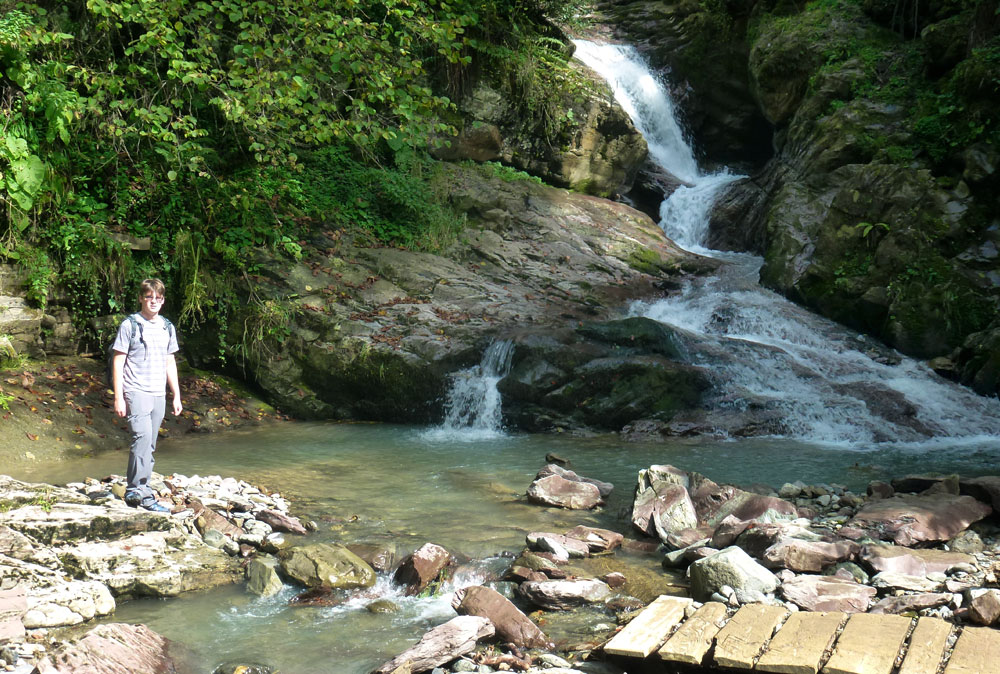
556,595
263,578
732,567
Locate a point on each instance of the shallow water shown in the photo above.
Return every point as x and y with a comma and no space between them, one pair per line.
408,486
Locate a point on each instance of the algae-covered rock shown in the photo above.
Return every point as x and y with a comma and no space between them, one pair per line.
326,564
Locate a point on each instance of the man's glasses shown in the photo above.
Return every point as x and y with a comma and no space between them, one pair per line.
152,298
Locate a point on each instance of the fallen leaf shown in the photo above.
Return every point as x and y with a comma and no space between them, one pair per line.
31,436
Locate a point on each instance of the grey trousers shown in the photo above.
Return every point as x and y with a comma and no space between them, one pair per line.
145,413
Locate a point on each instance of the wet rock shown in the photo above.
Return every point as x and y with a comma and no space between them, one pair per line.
922,518
244,668
912,561
604,488
827,593
442,644
382,558
382,606
808,556
563,547
327,564
732,567
558,491
558,595
112,649
418,570
847,571
614,580
597,540
910,603
728,531
510,623
263,578
281,521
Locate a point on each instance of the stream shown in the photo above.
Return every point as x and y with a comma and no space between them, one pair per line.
461,485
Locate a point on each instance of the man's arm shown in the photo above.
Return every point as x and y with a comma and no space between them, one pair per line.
117,366
173,383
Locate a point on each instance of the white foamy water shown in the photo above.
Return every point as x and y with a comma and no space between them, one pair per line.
473,408
827,384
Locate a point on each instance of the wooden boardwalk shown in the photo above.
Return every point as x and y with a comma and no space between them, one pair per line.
767,638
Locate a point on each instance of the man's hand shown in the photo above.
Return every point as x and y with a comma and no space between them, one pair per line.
178,408
120,407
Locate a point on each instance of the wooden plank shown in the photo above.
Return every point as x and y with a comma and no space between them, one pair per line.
649,629
869,644
926,649
692,640
801,644
743,638
976,652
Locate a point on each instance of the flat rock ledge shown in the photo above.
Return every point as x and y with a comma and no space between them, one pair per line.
68,553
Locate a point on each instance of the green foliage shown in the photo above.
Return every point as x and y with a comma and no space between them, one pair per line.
396,206
866,228
508,174
266,326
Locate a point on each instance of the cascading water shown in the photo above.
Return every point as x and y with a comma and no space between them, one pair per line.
819,381
473,408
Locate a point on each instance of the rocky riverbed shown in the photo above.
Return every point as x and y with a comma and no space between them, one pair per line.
920,546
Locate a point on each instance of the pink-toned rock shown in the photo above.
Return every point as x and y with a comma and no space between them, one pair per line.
911,602
13,606
684,538
558,491
510,623
111,649
598,540
605,488
419,569
557,543
279,521
808,556
208,519
922,518
828,593
714,502
614,579
984,608
661,508
728,530
912,561
442,644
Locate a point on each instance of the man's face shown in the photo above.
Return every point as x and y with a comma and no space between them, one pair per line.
152,302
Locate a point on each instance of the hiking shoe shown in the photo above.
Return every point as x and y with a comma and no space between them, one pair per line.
132,499
155,507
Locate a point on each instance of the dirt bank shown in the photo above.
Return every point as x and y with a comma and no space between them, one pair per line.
60,409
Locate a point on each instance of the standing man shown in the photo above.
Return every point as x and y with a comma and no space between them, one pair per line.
142,367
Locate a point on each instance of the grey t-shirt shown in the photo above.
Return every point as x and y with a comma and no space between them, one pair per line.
145,359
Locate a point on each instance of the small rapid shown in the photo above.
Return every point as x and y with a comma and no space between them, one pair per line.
816,380
473,407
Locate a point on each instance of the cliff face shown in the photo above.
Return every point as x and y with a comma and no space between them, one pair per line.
878,206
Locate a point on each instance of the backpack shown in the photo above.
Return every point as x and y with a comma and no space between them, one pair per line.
109,370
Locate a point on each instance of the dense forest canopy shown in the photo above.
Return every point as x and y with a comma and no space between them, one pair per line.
212,127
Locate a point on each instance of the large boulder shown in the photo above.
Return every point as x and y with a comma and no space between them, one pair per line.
111,649
559,595
419,569
510,623
808,556
909,519
326,564
732,567
558,491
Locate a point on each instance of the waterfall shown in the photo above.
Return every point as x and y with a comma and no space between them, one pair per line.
473,407
823,382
